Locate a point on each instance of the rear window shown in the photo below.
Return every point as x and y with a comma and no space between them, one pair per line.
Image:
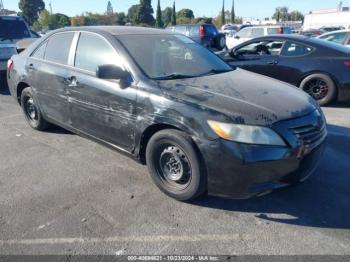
194,30
296,49
58,48
11,29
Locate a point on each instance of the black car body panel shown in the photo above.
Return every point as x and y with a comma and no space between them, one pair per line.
124,118
326,57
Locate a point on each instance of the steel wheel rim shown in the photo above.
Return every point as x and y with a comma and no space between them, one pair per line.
317,88
174,168
31,109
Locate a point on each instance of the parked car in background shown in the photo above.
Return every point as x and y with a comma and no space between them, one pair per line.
205,34
249,33
200,125
229,29
320,68
340,37
332,28
12,29
312,32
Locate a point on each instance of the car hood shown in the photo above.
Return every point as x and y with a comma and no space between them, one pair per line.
245,97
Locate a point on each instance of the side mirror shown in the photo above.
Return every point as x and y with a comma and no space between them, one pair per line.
234,53
112,72
237,37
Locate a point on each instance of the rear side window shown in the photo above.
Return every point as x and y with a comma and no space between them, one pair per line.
40,52
58,48
295,49
256,32
12,29
336,38
93,51
180,29
194,30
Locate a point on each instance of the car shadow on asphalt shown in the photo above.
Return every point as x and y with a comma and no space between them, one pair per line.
322,201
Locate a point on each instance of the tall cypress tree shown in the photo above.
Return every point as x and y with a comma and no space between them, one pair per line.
173,15
233,15
145,13
223,20
109,8
159,21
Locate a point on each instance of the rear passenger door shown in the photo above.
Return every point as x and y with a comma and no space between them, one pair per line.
100,107
47,67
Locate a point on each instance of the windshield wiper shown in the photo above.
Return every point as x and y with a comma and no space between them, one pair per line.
216,71
173,76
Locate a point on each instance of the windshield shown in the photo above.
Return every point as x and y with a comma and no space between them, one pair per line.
11,29
172,56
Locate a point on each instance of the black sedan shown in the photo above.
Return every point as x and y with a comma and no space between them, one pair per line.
318,67
168,102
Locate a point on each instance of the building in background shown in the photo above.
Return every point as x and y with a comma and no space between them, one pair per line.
336,17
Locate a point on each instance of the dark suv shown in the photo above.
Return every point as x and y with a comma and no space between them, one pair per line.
206,34
12,29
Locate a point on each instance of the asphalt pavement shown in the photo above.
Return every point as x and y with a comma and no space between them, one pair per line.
63,194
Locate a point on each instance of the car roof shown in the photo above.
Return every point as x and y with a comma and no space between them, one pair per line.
284,37
12,17
116,30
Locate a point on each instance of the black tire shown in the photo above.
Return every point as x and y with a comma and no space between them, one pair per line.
175,166
321,87
32,111
220,42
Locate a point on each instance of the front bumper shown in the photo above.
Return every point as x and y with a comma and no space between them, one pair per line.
243,171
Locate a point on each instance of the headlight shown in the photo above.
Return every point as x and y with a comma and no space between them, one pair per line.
246,134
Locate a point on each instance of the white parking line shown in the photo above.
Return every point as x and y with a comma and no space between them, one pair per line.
146,239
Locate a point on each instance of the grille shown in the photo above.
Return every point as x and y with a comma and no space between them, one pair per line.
311,135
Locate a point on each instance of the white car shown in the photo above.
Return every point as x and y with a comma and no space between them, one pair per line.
249,33
340,37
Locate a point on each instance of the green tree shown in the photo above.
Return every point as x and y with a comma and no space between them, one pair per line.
173,15
166,15
145,13
43,21
223,20
58,21
281,14
30,9
109,10
296,16
132,13
159,20
121,18
186,13
233,14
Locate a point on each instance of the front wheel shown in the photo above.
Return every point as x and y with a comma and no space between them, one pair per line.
175,166
321,87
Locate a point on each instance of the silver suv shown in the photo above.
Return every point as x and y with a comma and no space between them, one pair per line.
12,29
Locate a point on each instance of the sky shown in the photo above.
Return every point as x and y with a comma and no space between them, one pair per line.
247,9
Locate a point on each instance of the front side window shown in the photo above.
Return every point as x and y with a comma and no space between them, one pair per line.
40,52
245,33
58,48
296,49
336,38
94,51
261,48
166,56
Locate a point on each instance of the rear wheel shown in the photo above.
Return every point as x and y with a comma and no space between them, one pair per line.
321,87
175,166
32,111
220,42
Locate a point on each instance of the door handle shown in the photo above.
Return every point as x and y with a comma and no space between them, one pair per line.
72,81
31,67
274,62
